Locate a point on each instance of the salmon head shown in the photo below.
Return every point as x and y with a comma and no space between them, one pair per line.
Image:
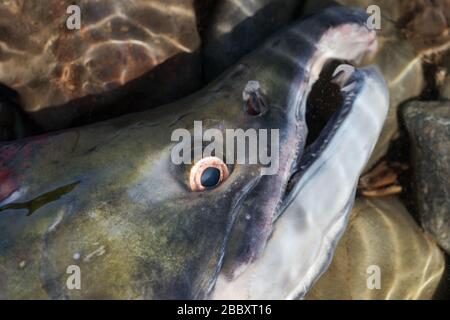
150,205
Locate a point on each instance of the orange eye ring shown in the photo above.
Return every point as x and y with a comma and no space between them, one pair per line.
201,166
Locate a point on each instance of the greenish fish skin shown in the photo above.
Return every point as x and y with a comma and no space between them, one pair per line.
108,199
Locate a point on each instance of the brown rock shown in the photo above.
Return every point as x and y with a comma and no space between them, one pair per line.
119,41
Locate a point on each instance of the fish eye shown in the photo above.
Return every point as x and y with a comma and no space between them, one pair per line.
207,173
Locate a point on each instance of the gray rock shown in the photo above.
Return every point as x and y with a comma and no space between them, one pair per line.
428,124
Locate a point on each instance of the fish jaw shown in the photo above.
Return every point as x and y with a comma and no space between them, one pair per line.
295,60
316,212
341,163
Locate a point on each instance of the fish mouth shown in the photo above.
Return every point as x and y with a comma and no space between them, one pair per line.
319,195
335,73
342,103
322,110
331,167
330,102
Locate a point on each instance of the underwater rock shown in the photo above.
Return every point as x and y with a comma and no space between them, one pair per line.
392,14
428,125
382,234
118,42
426,24
237,27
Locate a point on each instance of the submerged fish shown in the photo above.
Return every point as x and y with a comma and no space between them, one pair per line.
107,202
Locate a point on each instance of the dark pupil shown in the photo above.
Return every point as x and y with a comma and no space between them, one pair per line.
210,177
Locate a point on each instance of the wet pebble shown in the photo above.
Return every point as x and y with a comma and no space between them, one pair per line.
428,125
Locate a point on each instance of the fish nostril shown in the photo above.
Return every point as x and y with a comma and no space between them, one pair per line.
254,104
